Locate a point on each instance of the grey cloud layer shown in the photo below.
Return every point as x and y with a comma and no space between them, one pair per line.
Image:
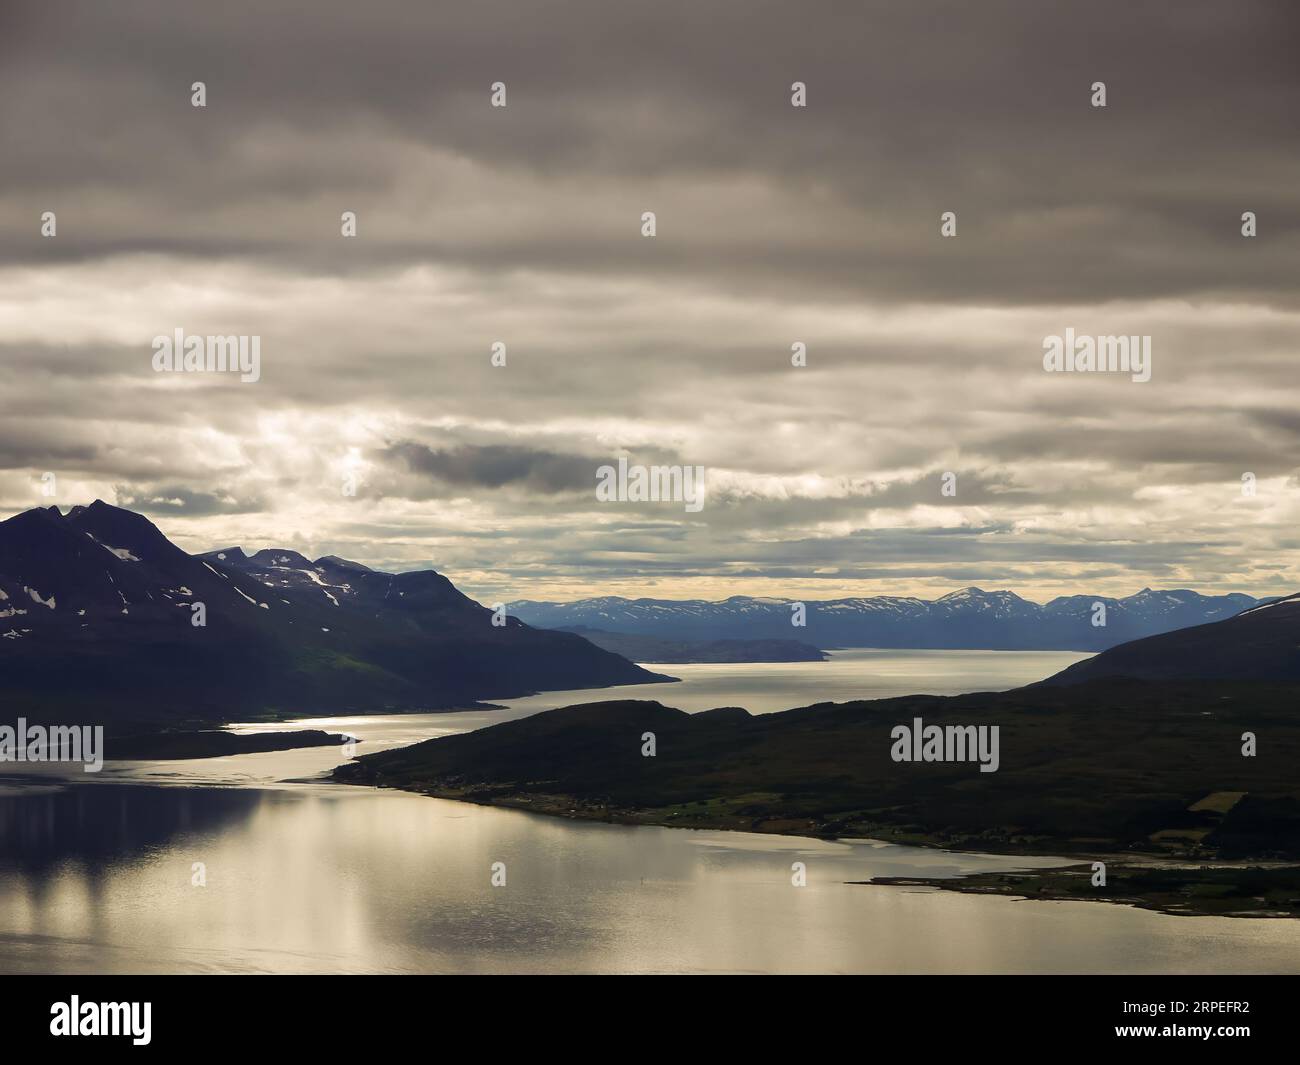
914,109
775,224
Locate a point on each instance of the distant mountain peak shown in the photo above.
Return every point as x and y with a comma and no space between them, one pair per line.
342,563
232,556
974,592
278,556
126,534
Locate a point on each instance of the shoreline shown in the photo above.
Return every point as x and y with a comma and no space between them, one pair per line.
1202,890
1177,886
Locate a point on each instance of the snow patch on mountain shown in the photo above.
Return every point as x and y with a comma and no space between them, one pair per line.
120,552
36,597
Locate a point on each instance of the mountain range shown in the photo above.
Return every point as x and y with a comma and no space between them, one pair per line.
99,609
967,619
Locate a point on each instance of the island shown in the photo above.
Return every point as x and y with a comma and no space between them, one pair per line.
214,743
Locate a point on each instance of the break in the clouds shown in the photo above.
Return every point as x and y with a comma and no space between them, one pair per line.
774,225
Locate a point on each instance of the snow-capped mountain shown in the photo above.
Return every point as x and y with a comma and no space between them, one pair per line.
970,618
100,613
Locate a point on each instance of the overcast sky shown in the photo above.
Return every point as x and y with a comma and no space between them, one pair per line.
775,224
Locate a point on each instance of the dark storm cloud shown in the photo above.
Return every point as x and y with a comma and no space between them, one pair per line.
498,465
25,443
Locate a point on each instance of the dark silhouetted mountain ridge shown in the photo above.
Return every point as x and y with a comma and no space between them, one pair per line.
97,610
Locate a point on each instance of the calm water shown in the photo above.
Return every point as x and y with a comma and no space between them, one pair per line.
766,687
95,874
